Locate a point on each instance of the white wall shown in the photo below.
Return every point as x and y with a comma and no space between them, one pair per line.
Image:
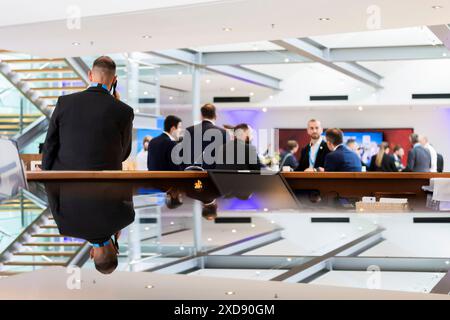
433,122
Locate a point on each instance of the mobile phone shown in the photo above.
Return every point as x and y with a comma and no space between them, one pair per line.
113,88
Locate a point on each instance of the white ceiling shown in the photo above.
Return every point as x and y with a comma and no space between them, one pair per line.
380,38
199,24
50,10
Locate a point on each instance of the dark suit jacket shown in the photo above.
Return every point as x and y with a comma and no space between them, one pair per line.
197,147
440,163
387,164
160,154
419,160
241,156
89,130
288,160
342,160
320,159
92,211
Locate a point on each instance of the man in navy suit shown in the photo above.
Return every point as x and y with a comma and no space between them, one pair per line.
160,148
341,158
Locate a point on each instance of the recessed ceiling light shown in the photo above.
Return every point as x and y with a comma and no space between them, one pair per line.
149,287
271,97
232,89
264,109
230,293
75,43
227,29
209,239
234,231
287,60
360,108
437,7
170,98
251,94
208,81
444,54
137,110
180,73
146,36
145,93
324,19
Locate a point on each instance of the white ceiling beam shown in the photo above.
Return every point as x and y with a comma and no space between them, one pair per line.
442,32
235,72
335,55
310,51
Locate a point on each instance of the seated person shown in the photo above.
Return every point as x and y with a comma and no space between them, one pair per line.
383,161
340,159
288,157
160,148
239,154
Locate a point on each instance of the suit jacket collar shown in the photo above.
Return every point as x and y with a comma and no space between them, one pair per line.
97,89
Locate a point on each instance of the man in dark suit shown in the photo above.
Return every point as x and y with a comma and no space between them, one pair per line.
440,163
95,212
160,155
92,129
341,158
419,158
201,141
239,154
313,155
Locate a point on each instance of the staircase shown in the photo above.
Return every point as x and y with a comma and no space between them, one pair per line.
40,245
10,124
41,81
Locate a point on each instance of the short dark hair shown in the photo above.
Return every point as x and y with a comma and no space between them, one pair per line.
171,121
350,141
414,138
241,126
291,145
107,65
208,111
335,136
107,266
397,147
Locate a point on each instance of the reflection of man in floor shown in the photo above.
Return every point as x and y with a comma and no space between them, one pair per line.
95,212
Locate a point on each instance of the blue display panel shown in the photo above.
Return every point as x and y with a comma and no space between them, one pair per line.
142,133
368,143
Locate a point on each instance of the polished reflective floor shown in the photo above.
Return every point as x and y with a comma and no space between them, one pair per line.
196,229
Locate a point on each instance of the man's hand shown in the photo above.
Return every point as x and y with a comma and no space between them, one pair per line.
310,170
321,169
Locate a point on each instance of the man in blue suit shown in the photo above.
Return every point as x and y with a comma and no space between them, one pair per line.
341,158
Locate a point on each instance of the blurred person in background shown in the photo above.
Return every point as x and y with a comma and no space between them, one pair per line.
398,155
434,155
382,161
142,156
288,157
419,158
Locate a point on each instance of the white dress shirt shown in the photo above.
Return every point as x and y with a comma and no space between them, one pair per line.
313,152
433,154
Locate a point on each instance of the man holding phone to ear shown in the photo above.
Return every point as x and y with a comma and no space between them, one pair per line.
90,130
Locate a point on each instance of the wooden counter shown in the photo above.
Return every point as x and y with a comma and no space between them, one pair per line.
329,185
139,175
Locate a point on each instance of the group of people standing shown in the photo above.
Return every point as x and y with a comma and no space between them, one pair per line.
203,146
330,154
